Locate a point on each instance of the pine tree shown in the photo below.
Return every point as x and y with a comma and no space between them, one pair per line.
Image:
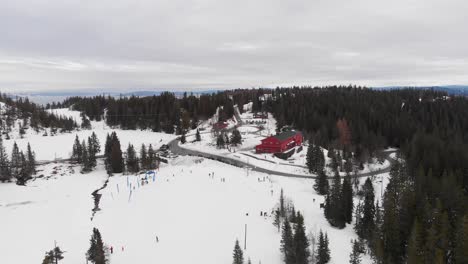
77,150
91,153
336,215
300,241
132,160
321,183
287,243
355,256
368,211
183,139
220,141
16,162
152,158
53,256
5,174
96,252
145,160
31,161
96,146
347,199
281,208
236,137
86,162
238,255
323,252
198,136
277,221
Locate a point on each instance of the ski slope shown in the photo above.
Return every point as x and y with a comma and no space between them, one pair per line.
196,217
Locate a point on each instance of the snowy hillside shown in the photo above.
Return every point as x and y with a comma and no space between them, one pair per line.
188,210
60,146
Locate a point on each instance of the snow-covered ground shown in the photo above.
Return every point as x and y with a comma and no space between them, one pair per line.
196,217
60,146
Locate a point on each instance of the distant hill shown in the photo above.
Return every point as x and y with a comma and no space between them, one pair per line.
449,89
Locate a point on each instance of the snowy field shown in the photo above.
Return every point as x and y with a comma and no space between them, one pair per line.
196,217
60,146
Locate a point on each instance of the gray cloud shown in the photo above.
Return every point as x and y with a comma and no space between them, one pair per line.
177,44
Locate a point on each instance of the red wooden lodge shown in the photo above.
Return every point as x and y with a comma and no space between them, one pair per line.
280,143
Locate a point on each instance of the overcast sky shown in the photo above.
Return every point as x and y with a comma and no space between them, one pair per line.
188,45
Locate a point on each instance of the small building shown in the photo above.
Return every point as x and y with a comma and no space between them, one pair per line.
280,142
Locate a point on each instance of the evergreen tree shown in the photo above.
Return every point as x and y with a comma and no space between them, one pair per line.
323,251
183,139
5,174
287,243
277,221
220,141
281,204
86,162
347,199
77,151
198,136
300,241
238,255
53,256
365,224
355,256
144,158
91,153
336,216
321,183
132,160
236,137
16,162
31,161
96,252
152,158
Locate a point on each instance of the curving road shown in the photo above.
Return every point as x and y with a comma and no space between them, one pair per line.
176,149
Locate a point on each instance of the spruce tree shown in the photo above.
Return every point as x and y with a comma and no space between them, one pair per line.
347,199
96,252
116,157
281,204
152,158
197,136
132,160
16,162
236,137
355,256
183,138
91,153
144,158
368,211
86,162
321,183
300,241
5,174
238,255
287,243
77,150
323,252
31,161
